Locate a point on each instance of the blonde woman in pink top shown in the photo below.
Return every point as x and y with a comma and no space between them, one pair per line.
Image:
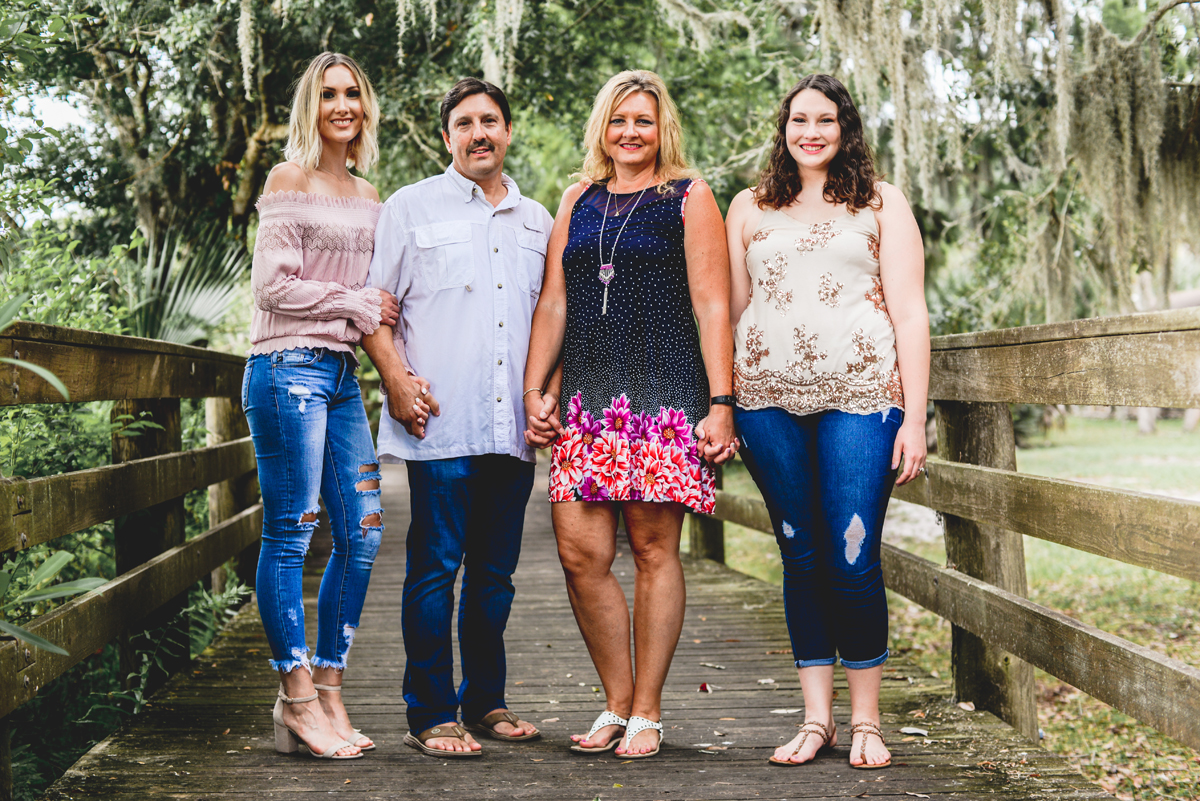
312,251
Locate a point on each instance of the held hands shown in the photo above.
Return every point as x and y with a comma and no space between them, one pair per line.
410,403
910,449
541,413
715,439
389,308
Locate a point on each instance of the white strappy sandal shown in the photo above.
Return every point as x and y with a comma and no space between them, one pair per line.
606,719
636,726
337,688
288,742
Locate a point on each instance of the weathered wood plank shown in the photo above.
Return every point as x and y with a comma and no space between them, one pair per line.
86,623
104,367
1159,691
706,534
982,433
227,423
1161,369
748,512
1150,531
58,505
1125,324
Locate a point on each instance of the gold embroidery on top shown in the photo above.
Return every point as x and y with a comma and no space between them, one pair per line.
830,293
755,352
820,234
776,268
761,235
868,358
876,294
873,246
894,390
805,346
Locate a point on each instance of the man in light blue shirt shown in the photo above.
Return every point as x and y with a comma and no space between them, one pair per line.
463,252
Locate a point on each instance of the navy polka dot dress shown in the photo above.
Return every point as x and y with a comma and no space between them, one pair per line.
634,383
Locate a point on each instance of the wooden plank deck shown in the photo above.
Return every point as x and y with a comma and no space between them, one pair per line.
207,734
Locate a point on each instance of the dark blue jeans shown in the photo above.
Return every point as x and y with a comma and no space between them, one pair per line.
827,479
467,511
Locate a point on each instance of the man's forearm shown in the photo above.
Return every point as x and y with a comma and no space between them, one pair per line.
387,358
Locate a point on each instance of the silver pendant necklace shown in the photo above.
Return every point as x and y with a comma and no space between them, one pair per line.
607,271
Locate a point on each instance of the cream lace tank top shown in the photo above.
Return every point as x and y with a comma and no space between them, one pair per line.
816,334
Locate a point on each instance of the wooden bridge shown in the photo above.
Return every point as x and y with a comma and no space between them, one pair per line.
207,733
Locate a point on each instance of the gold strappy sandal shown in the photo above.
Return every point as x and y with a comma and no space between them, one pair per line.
867,728
823,734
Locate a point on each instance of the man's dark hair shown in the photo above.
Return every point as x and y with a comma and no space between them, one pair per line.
473,86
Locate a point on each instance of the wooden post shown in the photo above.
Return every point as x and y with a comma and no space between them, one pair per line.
226,422
982,434
706,535
143,535
6,773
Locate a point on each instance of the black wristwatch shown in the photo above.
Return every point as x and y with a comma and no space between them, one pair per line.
722,400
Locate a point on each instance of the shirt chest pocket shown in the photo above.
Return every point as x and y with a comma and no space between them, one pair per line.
531,249
445,255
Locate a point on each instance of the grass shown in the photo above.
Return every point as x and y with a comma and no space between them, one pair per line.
1160,612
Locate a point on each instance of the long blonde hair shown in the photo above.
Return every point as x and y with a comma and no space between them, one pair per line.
304,138
672,162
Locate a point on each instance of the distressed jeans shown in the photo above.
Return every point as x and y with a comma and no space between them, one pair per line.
826,479
466,511
311,438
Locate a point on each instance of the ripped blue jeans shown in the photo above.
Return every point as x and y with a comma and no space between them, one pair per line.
826,479
311,438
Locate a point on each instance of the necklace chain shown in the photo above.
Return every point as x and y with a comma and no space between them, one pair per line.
607,271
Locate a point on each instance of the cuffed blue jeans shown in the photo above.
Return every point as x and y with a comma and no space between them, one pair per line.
466,511
826,479
311,438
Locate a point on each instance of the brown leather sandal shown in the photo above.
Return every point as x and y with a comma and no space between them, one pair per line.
418,741
823,734
867,728
488,726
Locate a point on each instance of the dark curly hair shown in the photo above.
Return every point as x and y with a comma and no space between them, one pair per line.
852,178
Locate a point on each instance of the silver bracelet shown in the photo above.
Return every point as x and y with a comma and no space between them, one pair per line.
531,389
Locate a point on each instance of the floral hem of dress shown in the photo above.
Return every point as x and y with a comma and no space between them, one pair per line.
630,456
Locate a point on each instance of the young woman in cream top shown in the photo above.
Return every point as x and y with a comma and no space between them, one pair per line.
831,374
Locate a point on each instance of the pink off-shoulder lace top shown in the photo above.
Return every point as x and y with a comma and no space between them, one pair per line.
311,258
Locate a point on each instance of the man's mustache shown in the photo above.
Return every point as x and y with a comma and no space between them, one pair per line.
478,143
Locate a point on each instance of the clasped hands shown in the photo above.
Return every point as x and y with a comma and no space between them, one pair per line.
715,440
410,403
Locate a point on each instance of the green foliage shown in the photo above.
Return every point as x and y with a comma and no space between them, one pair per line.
183,283
24,589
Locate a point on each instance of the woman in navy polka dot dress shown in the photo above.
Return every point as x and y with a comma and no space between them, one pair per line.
635,304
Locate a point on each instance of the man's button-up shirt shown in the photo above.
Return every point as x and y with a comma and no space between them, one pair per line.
467,276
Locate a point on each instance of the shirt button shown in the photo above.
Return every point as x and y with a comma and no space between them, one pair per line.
499,361
499,286
498,399
501,323
495,250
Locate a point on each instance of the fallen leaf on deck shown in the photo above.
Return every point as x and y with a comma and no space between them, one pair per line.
785,711
766,681
712,665
915,795
914,730
537,760
225,732
780,651
705,687
346,782
719,733
908,739
549,720
917,713
1197,758
967,705
696,641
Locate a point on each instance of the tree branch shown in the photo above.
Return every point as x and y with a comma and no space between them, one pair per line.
1158,15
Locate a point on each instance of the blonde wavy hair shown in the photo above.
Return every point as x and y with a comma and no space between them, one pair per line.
304,138
672,163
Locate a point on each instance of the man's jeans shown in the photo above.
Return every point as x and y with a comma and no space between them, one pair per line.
826,479
311,436
467,511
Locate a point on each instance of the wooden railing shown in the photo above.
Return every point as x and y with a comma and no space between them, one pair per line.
1135,360
149,476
